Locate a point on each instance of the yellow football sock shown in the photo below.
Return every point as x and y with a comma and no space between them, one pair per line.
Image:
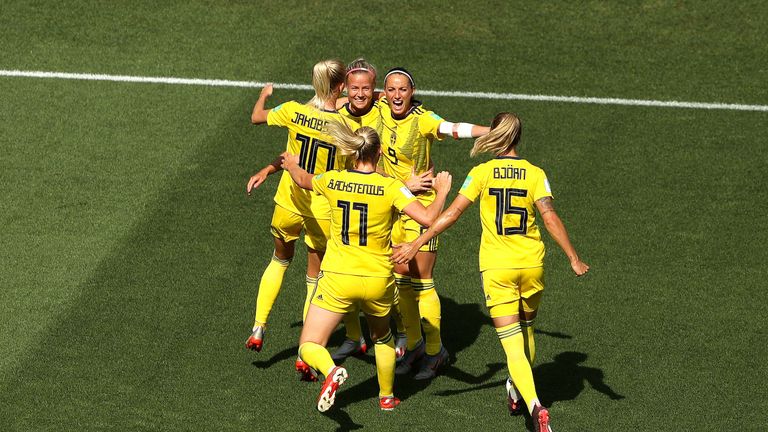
317,357
429,310
352,324
511,337
409,309
530,345
311,287
269,288
396,314
385,364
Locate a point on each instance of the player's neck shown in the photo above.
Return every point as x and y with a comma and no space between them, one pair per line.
329,105
511,153
356,112
365,167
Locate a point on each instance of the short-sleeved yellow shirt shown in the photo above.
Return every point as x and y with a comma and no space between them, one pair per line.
507,188
316,154
406,143
364,206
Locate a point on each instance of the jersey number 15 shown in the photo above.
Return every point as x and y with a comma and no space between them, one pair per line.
504,207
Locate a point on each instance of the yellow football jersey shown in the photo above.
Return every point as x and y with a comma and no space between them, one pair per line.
316,155
406,144
371,119
508,187
364,206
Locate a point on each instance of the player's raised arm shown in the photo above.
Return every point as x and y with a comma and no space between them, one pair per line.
462,130
556,229
299,176
259,114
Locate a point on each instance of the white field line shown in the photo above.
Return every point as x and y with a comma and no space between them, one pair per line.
458,94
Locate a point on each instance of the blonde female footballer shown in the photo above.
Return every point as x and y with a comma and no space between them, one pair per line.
356,270
358,110
511,251
296,209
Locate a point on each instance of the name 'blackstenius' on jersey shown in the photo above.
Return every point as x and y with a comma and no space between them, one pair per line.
360,188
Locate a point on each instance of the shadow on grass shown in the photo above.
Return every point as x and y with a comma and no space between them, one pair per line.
282,355
461,324
343,419
564,379
560,380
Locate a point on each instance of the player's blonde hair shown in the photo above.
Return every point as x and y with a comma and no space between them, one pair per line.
362,144
327,75
361,65
504,135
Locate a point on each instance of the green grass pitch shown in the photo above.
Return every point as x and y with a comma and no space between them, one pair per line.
131,255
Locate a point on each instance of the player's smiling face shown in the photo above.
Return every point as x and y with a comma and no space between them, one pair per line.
360,87
399,92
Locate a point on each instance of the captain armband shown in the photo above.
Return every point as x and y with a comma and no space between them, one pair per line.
456,130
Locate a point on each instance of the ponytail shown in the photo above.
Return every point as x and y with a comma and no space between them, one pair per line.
504,135
327,75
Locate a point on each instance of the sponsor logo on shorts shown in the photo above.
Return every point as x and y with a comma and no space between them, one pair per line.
487,296
319,297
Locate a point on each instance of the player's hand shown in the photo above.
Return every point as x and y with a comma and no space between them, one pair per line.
266,91
579,267
289,161
419,183
442,182
257,179
403,252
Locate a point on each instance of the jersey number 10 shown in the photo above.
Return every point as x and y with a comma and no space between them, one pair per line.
346,209
309,150
504,207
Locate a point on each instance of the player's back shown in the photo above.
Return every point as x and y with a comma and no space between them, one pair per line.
364,207
508,188
317,155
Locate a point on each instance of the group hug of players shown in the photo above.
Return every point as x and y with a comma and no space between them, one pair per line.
358,178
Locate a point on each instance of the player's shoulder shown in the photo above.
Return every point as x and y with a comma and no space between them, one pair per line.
533,167
485,166
330,174
290,105
382,105
391,183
